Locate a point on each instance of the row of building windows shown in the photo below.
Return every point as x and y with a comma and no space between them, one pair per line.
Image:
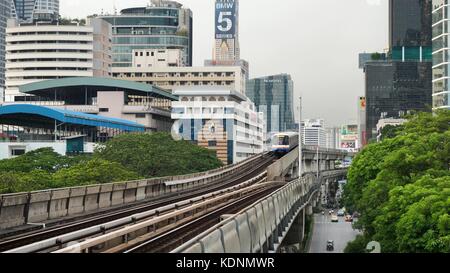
49,33
181,75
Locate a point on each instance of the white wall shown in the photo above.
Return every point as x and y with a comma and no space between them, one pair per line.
59,147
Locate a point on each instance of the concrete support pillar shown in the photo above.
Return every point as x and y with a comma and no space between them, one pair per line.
297,232
309,209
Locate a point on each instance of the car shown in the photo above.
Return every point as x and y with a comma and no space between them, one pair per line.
334,218
341,213
348,218
330,245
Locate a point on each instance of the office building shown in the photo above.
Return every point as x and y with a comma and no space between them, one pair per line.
173,77
161,25
274,96
28,11
349,138
314,133
5,9
226,50
441,76
221,120
362,128
403,82
333,136
37,52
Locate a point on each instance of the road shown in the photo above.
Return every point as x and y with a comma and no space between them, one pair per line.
341,233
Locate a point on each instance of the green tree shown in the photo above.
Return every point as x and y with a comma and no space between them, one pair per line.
418,150
41,159
358,245
96,171
157,155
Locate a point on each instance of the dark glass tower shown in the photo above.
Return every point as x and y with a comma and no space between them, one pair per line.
273,96
403,82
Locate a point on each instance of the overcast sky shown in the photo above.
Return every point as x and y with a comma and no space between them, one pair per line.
316,41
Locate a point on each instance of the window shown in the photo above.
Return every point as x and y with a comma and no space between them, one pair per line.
212,143
103,110
148,53
142,54
140,115
17,151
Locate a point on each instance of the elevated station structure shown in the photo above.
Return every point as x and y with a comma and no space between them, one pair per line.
140,103
27,127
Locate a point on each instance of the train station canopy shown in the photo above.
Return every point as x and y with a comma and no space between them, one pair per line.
44,117
79,87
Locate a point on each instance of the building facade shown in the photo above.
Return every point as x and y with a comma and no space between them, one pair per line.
441,54
403,82
136,102
221,120
37,52
171,78
274,96
313,133
349,138
27,11
5,10
226,45
162,25
362,127
333,138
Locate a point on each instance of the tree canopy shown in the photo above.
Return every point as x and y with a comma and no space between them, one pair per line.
157,155
401,187
126,157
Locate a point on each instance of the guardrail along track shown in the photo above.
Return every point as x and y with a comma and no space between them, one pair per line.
251,170
176,237
127,237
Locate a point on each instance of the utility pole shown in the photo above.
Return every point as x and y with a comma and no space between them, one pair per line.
300,145
318,161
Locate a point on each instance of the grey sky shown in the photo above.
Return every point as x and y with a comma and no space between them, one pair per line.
316,41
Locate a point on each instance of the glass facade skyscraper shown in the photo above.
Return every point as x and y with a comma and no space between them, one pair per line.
26,11
163,25
394,89
441,54
5,8
274,96
403,82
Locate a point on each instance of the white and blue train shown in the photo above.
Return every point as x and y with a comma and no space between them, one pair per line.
283,143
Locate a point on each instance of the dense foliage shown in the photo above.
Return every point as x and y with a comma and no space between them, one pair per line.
126,157
401,187
157,155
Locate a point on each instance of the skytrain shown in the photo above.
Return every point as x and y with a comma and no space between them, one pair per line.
283,143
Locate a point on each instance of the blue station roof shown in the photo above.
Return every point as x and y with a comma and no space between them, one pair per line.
69,117
80,84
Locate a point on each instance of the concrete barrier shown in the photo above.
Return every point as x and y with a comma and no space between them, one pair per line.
262,226
35,207
13,209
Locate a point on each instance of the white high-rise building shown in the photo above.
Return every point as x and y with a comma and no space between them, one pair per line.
37,52
314,133
219,119
441,54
